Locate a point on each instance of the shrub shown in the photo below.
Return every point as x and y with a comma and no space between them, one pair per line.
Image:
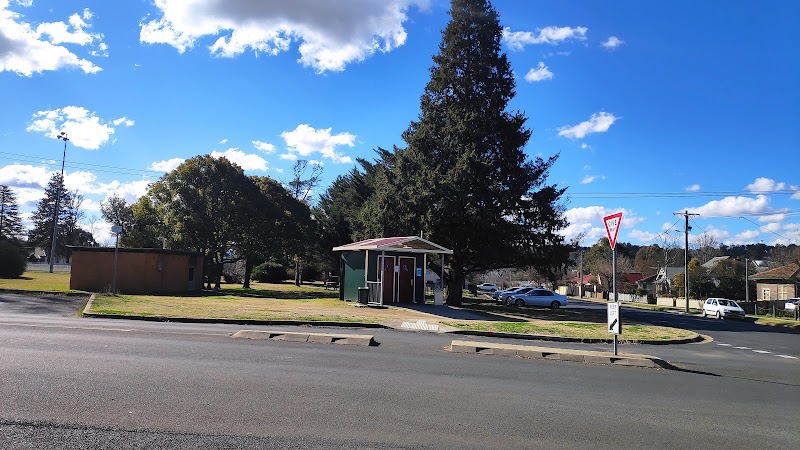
269,272
12,261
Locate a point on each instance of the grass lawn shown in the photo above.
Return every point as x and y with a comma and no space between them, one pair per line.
576,329
38,282
777,321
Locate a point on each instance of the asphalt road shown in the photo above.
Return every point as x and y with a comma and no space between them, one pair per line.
69,382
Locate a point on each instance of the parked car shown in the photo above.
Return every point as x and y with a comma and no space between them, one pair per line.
499,296
487,287
792,304
539,297
722,308
506,296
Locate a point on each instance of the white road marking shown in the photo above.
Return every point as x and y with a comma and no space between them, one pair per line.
724,345
761,351
420,325
786,356
743,348
66,327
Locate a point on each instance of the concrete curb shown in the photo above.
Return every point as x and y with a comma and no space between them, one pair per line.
54,293
316,338
591,357
537,337
87,313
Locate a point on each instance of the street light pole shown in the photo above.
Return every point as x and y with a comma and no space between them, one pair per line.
63,137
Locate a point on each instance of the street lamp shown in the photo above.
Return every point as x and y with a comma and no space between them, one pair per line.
116,229
63,137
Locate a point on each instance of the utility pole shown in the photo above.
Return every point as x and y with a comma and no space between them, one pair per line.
63,137
580,275
686,229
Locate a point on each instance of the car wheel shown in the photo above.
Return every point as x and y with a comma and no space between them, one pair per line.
704,313
555,305
719,315
508,301
519,302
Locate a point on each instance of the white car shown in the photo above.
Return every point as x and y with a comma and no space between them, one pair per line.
487,287
791,304
538,297
722,308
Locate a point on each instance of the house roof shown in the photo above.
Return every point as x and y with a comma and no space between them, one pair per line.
161,251
789,271
714,262
411,244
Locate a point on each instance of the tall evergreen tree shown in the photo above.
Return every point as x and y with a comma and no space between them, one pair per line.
10,222
464,179
42,233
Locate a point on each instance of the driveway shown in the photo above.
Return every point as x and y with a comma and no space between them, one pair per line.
41,305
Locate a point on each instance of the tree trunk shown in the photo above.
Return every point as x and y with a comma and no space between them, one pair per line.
455,288
217,275
248,270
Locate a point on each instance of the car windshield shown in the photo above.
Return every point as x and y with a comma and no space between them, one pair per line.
733,303
726,303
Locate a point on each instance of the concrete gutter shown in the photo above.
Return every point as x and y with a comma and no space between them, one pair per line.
316,338
530,352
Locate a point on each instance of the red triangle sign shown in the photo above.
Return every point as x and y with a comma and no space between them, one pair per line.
612,223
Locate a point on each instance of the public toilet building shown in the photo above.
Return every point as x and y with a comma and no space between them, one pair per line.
391,268
139,270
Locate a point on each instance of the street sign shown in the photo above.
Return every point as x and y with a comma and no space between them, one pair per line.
614,319
612,227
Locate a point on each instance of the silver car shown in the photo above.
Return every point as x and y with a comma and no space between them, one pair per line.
539,297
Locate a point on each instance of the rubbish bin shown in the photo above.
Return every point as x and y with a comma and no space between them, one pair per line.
438,297
363,295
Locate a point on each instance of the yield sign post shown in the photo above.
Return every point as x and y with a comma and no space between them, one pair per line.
612,223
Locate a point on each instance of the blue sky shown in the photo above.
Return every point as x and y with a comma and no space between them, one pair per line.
654,107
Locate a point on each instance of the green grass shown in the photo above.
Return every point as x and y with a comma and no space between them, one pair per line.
38,282
777,322
576,330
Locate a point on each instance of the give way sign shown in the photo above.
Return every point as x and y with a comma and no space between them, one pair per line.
612,227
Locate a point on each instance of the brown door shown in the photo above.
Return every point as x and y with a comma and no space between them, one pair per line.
387,276
405,280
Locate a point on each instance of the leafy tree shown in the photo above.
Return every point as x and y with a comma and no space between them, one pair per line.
10,222
599,261
204,202
700,283
463,179
707,247
302,188
42,233
148,229
72,232
648,259
116,211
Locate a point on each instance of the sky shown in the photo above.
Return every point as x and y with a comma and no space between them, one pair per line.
654,108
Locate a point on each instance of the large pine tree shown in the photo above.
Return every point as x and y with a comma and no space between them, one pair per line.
10,222
464,179
42,233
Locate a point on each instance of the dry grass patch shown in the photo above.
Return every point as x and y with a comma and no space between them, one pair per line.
576,330
254,308
38,282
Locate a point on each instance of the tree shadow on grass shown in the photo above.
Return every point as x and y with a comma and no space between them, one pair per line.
527,313
272,293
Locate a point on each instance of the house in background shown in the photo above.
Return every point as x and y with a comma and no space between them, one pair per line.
780,283
139,270
393,268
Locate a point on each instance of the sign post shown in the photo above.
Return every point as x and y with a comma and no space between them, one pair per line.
612,223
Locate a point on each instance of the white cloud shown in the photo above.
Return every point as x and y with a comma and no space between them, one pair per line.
540,73
796,196
763,185
517,40
716,233
778,217
25,50
84,128
589,220
288,157
330,34
167,165
263,146
123,121
598,123
666,226
746,236
590,178
643,236
25,176
692,188
585,146
224,141
612,43
733,206
305,141
247,161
